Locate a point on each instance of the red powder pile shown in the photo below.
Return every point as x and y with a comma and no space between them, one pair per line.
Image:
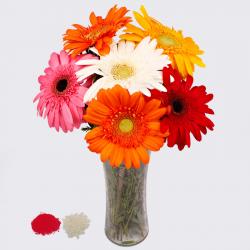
45,224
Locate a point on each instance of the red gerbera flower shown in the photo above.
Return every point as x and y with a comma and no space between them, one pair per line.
187,108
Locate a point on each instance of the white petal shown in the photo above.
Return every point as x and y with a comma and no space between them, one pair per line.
144,43
171,79
86,72
87,62
93,90
130,46
157,76
159,86
159,52
121,46
94,50
146,92
153,44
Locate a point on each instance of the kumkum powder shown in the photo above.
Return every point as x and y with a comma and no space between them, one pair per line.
45,224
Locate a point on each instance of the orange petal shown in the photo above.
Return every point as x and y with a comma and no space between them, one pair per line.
141,105
156,114
104,50
75,45
151,105
104,98
153,143
134,158
107,151
154,126
124,98
180,64
117,90
73,38
93,119
141,20
118,155
98,44
131,37
113,95
100,108
110,15
79,27
189,65
197,60
107,39
93,18
95,132
127,159
120,13
95,114
143,154
98,145
77,52
133,29
134,99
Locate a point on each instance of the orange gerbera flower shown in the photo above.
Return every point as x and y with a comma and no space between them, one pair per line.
100,34
126,127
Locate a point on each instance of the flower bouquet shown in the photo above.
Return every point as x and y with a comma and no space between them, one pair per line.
131,95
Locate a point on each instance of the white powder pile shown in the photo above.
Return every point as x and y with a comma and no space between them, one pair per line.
75,224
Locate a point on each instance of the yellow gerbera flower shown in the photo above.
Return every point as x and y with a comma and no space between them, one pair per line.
182,51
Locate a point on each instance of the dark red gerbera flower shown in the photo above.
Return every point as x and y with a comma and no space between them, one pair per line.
187,108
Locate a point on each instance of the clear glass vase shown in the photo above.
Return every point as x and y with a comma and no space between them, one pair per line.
126,212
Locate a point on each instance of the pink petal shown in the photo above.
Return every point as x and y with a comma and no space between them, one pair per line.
54,60
69,126
87,57
83,57
43,79
51,117
48,71
41,105
82,90
67,116
77,101
64,57
48,108
62,123
74,112
57,121
80,112
37,96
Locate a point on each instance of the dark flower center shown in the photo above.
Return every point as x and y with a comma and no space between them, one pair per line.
178,106
61,85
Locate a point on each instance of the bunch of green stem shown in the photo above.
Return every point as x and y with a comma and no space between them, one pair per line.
126,211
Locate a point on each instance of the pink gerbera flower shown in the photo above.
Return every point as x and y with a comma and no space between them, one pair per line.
61,95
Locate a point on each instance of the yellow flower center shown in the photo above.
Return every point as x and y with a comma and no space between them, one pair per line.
122,71
126,125
165,40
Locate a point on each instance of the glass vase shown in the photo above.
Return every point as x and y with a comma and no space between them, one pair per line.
126,213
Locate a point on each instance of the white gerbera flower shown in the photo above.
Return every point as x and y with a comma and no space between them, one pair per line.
137,68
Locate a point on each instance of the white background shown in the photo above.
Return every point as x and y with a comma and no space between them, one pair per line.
197,199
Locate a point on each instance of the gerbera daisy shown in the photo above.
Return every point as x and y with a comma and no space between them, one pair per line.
182,51
186,108
137,68
126,127
99,35
61,95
